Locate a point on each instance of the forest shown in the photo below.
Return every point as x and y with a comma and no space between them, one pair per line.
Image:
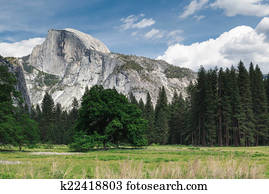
223,108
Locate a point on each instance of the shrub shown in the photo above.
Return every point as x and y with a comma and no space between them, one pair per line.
83,142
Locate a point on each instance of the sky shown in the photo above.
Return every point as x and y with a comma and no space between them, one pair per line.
186,33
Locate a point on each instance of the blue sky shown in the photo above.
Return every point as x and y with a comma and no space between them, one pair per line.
141,27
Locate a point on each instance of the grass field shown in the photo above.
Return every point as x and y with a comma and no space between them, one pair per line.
150,162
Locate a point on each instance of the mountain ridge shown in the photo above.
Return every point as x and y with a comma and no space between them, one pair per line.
64,65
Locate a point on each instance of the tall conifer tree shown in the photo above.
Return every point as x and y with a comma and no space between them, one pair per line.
267,90
176,119
235,108
47,123
211,107
161,118
247,124
259,107
149,116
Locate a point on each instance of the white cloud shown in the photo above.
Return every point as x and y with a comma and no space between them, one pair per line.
240,43
193,7
263,26
154,33
128,22
242,7
19,49
144,23
175,36
134,22
199,17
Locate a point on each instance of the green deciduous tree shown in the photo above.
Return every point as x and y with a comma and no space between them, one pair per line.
109,116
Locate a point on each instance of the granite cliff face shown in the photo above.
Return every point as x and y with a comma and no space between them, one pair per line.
17,70
70,60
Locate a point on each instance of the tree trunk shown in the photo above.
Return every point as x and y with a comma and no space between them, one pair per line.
104,145
257,140
227,135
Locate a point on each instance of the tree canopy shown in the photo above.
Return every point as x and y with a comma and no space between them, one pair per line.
16,128
108,117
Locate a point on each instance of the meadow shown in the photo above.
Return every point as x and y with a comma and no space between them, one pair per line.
173,161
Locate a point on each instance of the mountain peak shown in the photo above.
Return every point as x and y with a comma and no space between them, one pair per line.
63,48
69,60
89,41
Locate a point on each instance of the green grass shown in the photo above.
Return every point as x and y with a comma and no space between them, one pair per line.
151,162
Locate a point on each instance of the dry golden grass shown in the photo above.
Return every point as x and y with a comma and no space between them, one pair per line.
211,168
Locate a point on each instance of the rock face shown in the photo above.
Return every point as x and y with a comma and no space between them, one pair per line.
17,70
70,60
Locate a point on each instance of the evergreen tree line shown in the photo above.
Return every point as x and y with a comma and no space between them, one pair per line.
56,126
224,107
166,122
230,107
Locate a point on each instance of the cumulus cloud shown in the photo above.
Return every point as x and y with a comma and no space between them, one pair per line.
19,49
263,26
154,33
135,22
240,43
242,7
193,7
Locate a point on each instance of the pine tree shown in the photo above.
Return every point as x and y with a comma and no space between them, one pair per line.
226,106
267,90
247,124
176,119
161,118
70,121
235,108
211,106
172,121
133,99
47,122
58,128
149,116
74,112
259,107
202,100
192,115
252,79
141,106
220,107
